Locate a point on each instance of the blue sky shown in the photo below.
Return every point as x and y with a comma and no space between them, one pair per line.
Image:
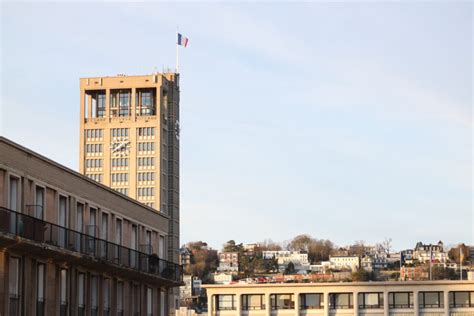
347,121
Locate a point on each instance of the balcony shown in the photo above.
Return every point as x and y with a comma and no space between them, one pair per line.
24,232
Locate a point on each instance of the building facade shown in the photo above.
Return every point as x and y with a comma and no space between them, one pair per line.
72,246
429,298
228,262
426,252
129,140
344,262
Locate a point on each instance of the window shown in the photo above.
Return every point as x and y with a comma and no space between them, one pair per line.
40,274
39,202
119,132
94,296
93,133
119,162
146,176
133,245
146,161
62,220
225,302
14,201
370,300
430,299
95,177
282,301
104,229
148,242
135,300
461,299
149,301
106,297
63,293
92,222
146,131
253,301
120,298
14,285
146,147
119,177
93,148
94,163
340,300
100,104
81,298
122,190
142,192
79,224
311,301
400,299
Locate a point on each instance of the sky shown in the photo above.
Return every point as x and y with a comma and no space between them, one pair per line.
346,121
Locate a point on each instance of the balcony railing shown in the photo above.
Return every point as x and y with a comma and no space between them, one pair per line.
39,231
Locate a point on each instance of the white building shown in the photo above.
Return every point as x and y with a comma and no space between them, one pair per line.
320,268
345,262
423,252
284,257
222,278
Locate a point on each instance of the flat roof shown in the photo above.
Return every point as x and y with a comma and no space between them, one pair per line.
332,284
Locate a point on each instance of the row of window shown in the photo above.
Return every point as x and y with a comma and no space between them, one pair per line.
100,290
146,131
434,299
146,161
94,163
146,192
93,148
95,176
94,133
146,146
119,132
119,162
119,177
146,176
124,191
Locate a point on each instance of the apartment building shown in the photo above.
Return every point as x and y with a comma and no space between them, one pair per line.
345,262
228,262
428,298
129,140
72,246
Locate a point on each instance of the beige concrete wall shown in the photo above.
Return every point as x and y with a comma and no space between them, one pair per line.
356,287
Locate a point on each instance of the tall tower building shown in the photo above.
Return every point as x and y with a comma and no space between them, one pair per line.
129,140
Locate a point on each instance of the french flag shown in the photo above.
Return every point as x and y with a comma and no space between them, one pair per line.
182,40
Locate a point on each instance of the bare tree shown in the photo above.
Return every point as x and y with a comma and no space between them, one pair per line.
387,245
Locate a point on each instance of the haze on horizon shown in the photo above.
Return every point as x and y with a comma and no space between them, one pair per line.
346,121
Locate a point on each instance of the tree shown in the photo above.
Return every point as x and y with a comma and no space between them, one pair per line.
290,268
363,275
455,252
269,245
231,246
301,243
358,249
387,245
319,250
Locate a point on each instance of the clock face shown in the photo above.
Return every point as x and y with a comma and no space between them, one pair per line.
120,146
177,129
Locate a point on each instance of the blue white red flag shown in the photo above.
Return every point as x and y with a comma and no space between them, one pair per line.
182,40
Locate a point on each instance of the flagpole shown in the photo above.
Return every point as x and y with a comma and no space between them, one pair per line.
177,52
431,259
